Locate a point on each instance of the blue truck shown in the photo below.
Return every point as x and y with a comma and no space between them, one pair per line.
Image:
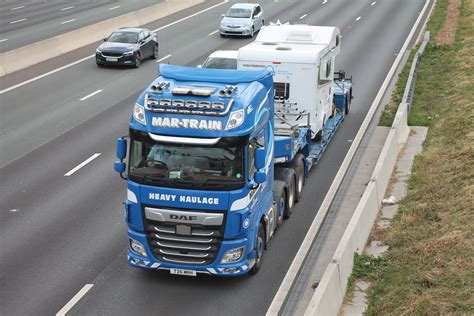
209,177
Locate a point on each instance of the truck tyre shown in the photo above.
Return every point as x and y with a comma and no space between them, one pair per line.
297,164
259,248
279,199
287,175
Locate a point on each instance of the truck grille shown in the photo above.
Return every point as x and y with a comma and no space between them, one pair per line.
193,244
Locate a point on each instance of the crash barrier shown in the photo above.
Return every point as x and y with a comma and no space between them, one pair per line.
330,292
35,53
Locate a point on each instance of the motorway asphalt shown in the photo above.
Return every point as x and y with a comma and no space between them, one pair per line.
59,233
28,21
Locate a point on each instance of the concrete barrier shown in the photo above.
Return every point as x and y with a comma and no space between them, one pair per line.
147,15
327,293
29,55
32,54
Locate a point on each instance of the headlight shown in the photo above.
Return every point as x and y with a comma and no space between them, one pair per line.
233,255
235,120
128,53
98,51
139,113
137,247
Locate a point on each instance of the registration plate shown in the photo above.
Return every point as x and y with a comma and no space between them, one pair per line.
183,272
111,59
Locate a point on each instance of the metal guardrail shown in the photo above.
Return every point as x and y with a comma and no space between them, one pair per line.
410,86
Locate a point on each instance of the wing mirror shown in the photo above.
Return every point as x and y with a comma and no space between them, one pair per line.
259,158
259,177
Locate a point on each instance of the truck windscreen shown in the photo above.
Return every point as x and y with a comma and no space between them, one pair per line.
216,167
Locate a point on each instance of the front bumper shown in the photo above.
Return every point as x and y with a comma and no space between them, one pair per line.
216,268
114,60
241,31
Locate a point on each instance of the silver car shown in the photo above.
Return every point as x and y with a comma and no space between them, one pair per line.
242,19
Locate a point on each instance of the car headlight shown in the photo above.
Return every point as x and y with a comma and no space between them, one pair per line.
98,51
139,113
128,53
137,247
233,255
236,118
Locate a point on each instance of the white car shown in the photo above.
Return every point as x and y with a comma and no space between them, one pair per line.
221,59
242,19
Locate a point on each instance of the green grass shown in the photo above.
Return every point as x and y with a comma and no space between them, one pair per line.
429,267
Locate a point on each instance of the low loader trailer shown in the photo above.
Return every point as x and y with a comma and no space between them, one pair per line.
213,167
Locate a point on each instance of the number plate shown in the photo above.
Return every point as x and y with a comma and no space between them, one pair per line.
111,59
183,272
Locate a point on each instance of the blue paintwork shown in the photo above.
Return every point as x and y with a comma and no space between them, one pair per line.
253,96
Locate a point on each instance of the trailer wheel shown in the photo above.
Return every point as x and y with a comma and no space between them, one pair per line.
347,106
259,248
298,166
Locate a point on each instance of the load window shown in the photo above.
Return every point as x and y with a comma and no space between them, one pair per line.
282,90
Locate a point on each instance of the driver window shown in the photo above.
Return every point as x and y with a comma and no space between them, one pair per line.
251,160
141,36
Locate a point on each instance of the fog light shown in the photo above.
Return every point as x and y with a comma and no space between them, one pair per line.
230,270
137,247
233,255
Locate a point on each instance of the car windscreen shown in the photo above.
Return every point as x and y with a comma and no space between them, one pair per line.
238,13
123,37
220,63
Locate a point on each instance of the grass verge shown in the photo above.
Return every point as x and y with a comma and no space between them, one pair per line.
429,267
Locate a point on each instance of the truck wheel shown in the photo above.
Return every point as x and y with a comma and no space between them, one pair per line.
287,175
298,166
259,248
279,199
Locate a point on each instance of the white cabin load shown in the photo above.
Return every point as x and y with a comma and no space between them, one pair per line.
301,58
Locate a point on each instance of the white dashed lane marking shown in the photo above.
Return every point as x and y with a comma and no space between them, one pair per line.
90,95
67,8
161,59
68,21
17,21
82,164
74,300
303,16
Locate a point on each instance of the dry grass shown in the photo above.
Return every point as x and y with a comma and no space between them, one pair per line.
447,34
430,264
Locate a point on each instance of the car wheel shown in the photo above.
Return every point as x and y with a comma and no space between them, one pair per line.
138,60
252,32
155,52
259,248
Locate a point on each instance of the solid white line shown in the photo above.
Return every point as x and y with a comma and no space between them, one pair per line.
74,300
358,18
373,3
17,8
90,95
161,59
3,40
286,284
16,21
68,21
303,16
93,55
82,164
113,8
67,8
212,33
